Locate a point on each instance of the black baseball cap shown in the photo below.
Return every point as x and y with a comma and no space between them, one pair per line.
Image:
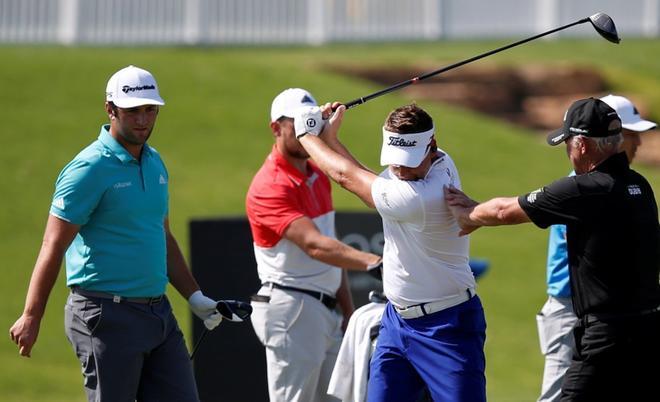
589,117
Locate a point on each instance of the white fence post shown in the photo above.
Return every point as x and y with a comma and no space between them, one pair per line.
192,22
547,14
432,28
650,18
315,23
67,29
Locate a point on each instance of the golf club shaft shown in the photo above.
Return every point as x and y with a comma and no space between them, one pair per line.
199,341
414,80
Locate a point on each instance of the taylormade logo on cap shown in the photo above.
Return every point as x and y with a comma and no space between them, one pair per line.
132,87
126,89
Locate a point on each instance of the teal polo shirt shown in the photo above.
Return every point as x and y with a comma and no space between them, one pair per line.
120,204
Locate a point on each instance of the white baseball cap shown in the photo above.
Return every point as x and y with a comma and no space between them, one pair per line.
630,118
131,87
286,103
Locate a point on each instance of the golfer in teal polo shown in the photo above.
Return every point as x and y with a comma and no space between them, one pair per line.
109,215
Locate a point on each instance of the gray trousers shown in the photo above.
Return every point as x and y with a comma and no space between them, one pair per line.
302,339
129,351
555,324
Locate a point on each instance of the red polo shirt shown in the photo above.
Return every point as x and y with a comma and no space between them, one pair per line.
278,195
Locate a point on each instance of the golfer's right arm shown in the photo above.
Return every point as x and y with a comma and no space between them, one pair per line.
331,131
336,161
304,234
57,237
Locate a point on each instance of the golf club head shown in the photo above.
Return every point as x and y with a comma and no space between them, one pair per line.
234,310
605,27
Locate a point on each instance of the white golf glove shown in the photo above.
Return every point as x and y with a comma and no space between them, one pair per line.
204,308
308,120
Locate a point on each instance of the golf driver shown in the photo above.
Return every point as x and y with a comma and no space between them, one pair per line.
232,310
600,21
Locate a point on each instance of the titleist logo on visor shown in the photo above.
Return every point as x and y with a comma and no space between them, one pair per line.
401,142
126,89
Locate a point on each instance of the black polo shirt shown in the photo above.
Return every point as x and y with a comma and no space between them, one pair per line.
613,236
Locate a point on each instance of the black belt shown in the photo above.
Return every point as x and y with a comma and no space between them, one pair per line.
598,317
116,298
327,300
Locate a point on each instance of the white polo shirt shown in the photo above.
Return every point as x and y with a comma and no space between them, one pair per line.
424,258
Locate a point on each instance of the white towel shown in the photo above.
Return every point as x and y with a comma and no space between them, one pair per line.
350,374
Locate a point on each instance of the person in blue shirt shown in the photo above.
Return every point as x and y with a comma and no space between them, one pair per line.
109,214
556,319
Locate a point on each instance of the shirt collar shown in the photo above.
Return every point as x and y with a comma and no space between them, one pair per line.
116,148
614,163
294,174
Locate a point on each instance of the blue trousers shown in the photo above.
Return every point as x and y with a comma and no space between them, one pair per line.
443,352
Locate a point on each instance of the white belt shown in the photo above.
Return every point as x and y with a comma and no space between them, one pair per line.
421,310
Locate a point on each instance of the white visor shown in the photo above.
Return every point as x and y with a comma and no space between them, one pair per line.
405,149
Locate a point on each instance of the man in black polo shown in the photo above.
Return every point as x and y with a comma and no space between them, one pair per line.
613,240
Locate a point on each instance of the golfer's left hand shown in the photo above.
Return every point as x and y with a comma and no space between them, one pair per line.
308,120
204,308
460,205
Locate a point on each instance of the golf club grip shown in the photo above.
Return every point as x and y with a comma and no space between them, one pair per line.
354,103
414,80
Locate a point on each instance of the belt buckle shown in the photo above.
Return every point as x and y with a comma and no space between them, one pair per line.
411,311
116,298
155,300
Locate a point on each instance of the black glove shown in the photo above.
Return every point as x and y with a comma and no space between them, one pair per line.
376,270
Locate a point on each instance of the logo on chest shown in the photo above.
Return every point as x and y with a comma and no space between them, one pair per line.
122,184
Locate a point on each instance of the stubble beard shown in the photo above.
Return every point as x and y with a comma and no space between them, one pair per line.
134,139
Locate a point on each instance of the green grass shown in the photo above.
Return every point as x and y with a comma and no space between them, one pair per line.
213,136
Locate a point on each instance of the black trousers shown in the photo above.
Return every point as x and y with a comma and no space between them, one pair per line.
616,360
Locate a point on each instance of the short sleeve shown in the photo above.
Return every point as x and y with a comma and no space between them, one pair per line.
557,203
397,200
78,191
270,213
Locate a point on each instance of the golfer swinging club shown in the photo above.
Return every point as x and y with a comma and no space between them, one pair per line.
433,329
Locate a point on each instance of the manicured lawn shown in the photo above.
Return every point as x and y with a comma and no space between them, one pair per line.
213,134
